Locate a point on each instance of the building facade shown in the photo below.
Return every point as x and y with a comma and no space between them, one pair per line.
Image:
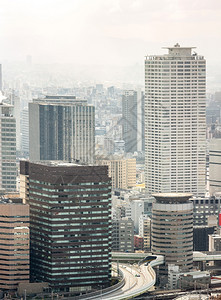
14,239
129,120
175,123
122,172
61,128
145,231
8,168
72,206
123,235
215,167
172,230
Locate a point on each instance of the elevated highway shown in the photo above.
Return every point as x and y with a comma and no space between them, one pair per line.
137,280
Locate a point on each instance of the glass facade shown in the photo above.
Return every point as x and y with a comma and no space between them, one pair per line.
70,225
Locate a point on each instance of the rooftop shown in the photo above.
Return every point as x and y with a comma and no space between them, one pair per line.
172,197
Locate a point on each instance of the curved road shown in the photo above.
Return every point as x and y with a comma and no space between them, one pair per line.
138,280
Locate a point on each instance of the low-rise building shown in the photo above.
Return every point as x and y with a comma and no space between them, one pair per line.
14,240
123,235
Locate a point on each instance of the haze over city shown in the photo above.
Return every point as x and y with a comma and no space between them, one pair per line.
100,39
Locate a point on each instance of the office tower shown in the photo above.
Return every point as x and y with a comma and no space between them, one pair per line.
8,169
14,100
71,204
14,239
123,235
129,120
175,126
61,128
172,230
25,131
215,167
122,171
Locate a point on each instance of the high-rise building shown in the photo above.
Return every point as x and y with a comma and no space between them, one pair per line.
122,171
175,126
140,121
25,131
8,168
61,128
215,167
172,230
71,204
14,239
129,120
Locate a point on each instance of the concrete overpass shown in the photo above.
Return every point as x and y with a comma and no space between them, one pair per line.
197,256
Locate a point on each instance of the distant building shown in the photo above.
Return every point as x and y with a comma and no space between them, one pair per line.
25,131
61,128
214,242
123,235
129,120
71,205
138,242
215,167
134,210
145,231
14,240
122,171
8,168
204,208
201,237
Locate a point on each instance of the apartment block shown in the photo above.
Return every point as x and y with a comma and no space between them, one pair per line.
122,172
14,240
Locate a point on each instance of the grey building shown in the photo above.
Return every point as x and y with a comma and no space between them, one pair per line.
203,208
61,128
71,205
129,120
123,235
25,131
172,230
8,168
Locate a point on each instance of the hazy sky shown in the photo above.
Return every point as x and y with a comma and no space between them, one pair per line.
112,32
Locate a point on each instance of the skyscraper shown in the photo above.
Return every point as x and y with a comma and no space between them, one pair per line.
129,120
71,205
175,126
8,169
61,128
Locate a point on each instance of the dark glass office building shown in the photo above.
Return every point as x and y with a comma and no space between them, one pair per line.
70,224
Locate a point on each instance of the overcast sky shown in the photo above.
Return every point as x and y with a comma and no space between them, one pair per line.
112,32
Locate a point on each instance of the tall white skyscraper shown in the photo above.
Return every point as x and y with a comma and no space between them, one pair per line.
175,125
